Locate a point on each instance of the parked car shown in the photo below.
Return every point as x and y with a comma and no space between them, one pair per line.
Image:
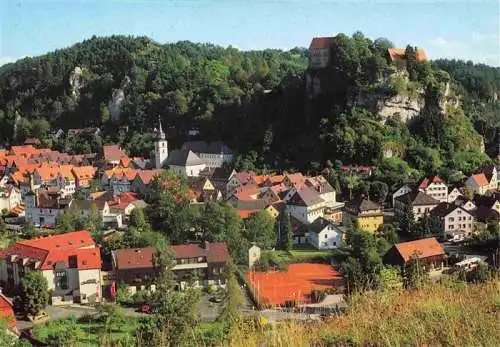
149,309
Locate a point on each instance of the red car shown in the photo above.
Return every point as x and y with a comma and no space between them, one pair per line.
149,309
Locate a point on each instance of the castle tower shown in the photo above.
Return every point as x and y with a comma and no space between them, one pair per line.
161,147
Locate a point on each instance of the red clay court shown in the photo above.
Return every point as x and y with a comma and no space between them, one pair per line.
276,287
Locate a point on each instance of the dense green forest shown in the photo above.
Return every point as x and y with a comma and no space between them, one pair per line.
257,101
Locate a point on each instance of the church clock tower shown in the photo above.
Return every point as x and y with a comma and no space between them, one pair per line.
161,147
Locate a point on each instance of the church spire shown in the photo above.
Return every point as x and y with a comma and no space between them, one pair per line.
161,134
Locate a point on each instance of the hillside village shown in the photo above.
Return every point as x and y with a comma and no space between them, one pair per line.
312,218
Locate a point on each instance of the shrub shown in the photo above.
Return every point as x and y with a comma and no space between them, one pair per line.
318,295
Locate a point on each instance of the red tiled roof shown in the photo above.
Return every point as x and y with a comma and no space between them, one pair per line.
84,172
321,42
430,179
7,312
244,176
27,150
133,258
215,252
276,179
399,53
58,248
113,152
480,179
120,172
246,213
147,175
423,248
125,161
297,179
248,192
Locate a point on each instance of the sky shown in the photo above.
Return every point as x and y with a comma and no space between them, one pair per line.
464,29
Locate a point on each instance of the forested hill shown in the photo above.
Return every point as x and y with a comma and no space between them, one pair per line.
257,101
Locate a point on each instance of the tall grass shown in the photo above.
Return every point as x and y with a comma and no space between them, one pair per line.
450,314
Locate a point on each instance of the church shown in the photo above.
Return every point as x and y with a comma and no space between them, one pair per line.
187,160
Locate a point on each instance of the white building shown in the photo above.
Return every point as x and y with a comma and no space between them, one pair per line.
214,154
10,197
70,262
161,148
43,206
419,202
434,186
452,221
185,162
404,189
323,234
453,194
306,205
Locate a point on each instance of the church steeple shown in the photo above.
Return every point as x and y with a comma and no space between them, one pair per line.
161,134
161,147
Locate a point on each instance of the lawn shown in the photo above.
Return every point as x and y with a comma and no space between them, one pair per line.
85,331
305,253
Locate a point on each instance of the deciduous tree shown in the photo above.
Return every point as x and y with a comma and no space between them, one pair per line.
33,295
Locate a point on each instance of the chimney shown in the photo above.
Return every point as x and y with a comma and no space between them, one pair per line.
37,198
206,245
31,183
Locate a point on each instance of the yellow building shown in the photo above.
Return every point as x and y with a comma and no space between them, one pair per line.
366,213
273,211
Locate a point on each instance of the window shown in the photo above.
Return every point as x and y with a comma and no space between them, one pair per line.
334,243
61,280
326,236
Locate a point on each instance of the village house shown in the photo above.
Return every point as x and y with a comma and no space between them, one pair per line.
124,203
10,197
491,174
366,213
324,234
214,154
112,154
203,190
427,250
71,264
135,267
306,205
43,206
478,183
83,175
142,180
403,190
185,162
453,194
238,180
465,203
121,180
59,176
220,177
434,186
419,202
453,222
294,180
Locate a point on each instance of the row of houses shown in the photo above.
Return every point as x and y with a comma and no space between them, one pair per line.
452,210
75,272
